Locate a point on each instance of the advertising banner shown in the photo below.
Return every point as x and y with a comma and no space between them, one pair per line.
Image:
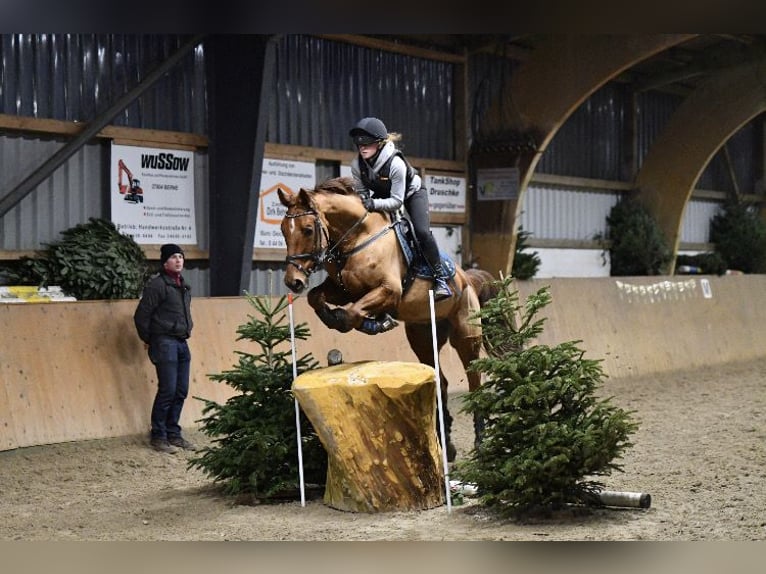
152,194
290,176
446,193
497,184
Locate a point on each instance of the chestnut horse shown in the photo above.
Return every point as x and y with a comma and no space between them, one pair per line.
328,228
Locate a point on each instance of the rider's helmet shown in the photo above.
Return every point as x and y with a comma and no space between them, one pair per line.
367,131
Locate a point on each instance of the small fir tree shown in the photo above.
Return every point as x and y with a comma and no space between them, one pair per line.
637,245
546,434
525,265
739,236
254,450
92,261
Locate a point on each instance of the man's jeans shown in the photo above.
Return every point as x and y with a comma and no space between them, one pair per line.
171,358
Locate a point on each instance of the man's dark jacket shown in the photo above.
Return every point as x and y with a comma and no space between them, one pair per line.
164,309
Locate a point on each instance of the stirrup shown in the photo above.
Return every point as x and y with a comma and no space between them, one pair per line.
441,289
379,324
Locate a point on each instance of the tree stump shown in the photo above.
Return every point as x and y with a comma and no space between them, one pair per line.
376,420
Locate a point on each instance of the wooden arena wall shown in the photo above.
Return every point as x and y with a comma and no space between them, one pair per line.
644,325
76,370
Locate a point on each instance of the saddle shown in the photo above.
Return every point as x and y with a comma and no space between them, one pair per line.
417,266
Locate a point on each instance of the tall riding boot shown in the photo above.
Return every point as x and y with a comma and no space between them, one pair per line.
431,254
441,289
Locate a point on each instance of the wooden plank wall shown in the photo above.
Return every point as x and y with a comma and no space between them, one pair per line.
644,325
76,371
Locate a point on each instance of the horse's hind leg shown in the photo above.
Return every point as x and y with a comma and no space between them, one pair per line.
465,337
421,343
469,349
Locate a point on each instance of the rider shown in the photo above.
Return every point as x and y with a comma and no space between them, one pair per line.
386,181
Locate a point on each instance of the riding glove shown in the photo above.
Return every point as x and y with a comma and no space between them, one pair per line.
368,203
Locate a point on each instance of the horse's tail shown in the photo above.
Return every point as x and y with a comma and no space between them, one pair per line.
487,287
483,283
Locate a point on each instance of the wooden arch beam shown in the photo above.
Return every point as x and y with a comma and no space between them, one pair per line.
557,78
696,131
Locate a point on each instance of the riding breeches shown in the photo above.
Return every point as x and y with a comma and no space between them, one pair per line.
417,209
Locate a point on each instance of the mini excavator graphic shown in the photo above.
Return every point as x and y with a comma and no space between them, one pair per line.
132,192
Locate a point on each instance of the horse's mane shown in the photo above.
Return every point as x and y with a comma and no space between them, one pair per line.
339,185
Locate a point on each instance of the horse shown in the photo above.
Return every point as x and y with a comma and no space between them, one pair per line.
484,283
367,279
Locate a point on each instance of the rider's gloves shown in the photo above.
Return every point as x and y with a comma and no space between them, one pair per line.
368,203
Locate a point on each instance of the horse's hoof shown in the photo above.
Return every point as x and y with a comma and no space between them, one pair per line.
369,327
387,322
335,319
374,326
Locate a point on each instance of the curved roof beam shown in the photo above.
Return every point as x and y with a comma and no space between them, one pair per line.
556,78
699,127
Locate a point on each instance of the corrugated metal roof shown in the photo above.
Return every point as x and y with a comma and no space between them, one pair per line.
557,212
74,77
696,221
590,142
74,193
323,87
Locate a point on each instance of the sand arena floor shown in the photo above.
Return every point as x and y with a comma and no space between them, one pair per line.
700,452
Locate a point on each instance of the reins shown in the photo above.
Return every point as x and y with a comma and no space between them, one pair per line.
322,255
334,254
369,240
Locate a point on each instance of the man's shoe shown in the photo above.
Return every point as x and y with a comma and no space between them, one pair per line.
162,445
181,442
441,290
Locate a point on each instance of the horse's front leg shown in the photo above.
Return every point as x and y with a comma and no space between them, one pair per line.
371,309
368,314
374,313
320,298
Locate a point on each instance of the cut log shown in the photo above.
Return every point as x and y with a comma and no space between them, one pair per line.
376,420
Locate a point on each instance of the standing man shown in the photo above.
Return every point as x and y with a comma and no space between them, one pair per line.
164,323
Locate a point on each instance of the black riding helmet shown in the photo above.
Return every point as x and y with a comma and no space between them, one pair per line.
367,131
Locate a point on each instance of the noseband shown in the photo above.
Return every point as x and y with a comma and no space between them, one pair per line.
318,256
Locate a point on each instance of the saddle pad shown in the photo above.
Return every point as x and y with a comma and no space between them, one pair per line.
415,261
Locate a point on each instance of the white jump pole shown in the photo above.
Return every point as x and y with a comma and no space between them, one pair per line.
439,402
297,408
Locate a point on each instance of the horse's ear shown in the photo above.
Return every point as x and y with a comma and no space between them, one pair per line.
287,197
304,197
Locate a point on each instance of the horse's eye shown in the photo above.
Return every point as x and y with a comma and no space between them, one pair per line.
308,231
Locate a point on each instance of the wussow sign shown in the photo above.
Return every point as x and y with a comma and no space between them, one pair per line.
152,194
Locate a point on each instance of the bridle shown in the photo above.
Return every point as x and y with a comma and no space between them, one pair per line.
318,255
324,253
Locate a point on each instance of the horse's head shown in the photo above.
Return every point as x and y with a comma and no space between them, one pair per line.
304,236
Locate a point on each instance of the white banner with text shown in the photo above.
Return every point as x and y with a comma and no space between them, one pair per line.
290,176
152,194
